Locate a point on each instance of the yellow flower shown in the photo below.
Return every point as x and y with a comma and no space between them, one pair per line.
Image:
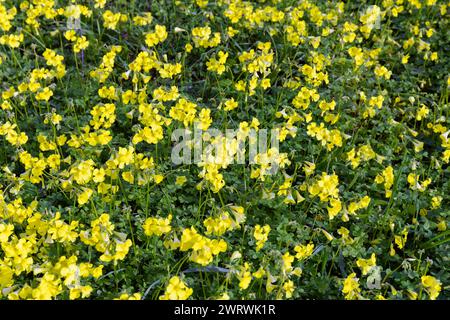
56,118
188,47
325,187
376,101
345,235
422,112
230,104
144,19
382,71
111,19
156,37
61,231
405,59
126,296
163,95
180,180
100,4
289,287
309,168
158,178
103,115
366,264
361,204
432,286
204,119
169,70
6,276
49,287
152,134
122,249
190,239
203,37
84,196
335,208
259,273
287,262
436,202
183,111
157,226
304,251
261,235
80,44
265,83
351,288
434,56
442,225
52,58
124,157
357,54
82,173
70,35
44,94
400,240
240,85
107,93
176,290
220,224
231,32
12,40
245,276
128,176
218,65
387,176
5,231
